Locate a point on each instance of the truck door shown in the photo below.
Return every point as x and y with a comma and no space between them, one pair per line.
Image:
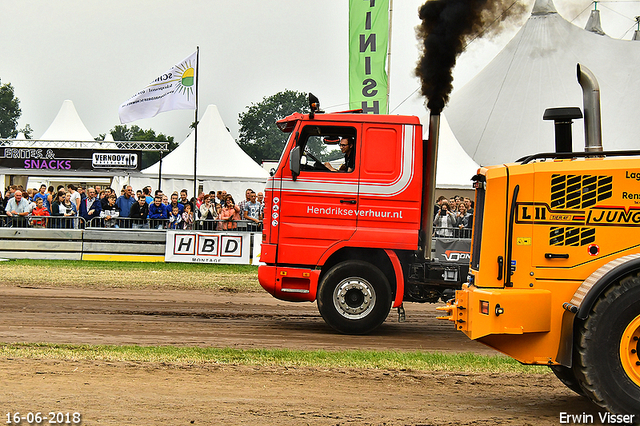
318,206
390,192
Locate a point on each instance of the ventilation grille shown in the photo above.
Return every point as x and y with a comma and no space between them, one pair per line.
579,191
571,236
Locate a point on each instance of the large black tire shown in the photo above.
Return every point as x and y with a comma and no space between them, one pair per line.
354,297
568,378
606,358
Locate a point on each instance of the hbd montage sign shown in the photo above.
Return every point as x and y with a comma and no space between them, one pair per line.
207,247
69,159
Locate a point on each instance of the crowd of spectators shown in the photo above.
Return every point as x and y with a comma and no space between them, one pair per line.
453,218
78,207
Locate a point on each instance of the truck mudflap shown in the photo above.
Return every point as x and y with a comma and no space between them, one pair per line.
482,312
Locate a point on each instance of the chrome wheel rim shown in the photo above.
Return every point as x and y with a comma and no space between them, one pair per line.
354,298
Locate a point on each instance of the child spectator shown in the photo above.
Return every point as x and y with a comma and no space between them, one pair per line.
175,219
187,217
39,210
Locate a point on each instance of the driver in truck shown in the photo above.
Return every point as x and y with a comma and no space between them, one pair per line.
346,146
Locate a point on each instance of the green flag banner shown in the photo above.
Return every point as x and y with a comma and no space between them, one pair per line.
368,41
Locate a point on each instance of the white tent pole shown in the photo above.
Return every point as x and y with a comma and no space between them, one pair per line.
195,143
160,172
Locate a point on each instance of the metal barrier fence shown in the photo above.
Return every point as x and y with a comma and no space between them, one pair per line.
452,232
75,222
53,222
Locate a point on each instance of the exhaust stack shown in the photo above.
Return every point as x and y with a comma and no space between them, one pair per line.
562,118
591,106
429,155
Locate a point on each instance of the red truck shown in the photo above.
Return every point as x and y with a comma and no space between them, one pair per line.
352,239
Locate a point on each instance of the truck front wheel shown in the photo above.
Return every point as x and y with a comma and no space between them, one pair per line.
608,361
354,297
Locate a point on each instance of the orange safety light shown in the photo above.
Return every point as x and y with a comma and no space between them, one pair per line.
484,307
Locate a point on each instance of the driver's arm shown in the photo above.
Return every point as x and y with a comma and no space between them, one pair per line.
330,167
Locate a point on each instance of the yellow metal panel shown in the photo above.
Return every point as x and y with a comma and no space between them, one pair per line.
123,258
511,311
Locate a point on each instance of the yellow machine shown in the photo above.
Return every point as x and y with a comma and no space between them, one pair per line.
555,264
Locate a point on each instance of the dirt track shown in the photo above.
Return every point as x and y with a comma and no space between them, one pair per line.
147,393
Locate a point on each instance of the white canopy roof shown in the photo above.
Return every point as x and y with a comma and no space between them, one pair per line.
454,168
218,154
67,126
497,116
222,164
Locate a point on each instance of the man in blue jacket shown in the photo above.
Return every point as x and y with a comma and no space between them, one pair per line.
125,202
90,207
158,211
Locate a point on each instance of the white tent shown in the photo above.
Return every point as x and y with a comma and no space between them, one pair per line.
222,164
454,168
67,126
497,116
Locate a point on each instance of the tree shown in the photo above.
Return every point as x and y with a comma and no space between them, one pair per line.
135,133
27,131
259,137
9,112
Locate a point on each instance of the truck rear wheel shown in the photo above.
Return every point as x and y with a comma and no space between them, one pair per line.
607,358
354,297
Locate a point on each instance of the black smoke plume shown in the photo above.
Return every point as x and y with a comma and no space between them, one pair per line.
447,27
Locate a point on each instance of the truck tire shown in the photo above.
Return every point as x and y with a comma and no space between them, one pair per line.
568,378
607,358
354,297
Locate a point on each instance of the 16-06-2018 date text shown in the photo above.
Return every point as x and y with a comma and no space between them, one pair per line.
50,417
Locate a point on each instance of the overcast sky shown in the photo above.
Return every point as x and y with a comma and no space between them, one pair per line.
98,54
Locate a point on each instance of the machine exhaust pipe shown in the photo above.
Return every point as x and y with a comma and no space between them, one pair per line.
591,106
430,155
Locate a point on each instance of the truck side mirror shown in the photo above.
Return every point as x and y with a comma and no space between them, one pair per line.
294,162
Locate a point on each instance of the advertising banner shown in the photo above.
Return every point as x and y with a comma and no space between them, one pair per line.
368,41
69,159
207,247
453,250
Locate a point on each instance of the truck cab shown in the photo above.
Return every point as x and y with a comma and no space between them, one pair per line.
338,236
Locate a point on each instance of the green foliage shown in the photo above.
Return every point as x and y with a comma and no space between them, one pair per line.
259,136
135,133
9,111
27,131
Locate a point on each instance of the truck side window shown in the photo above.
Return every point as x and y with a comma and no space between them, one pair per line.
328,148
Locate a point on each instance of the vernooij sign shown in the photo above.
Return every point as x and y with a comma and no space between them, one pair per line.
69,159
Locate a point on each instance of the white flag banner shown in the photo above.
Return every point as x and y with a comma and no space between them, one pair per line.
175,89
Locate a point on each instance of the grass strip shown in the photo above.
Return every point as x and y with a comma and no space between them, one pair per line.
385,360
129,275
